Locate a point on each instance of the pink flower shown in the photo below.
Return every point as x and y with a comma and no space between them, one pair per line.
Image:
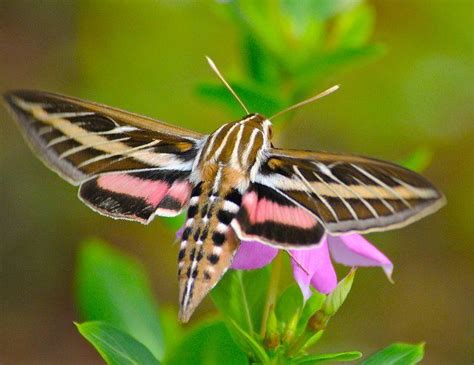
313,266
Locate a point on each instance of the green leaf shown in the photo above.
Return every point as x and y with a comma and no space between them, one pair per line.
173,331
247,343
334,300
354,28
313,339
256,99
261,66
336,357
262,19
175,223
289,303
113,288
239,296
322,65
418,160
324,9
303,30
312,305
116,347
208,344
397,354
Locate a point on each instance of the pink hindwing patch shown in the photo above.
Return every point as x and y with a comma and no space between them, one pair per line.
136,196
269,217
151,191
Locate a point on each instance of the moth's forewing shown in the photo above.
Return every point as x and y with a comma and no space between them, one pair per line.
128,166
350,193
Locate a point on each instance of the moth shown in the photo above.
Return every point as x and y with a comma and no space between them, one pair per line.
233,182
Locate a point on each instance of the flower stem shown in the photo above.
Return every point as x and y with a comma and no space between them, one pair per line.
272,292
302,342
246,307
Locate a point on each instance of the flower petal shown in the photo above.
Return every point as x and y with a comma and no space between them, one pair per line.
355,250
253,255
314,266
179,232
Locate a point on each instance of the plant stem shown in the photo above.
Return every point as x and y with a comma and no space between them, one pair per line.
246,308
306,339
272,292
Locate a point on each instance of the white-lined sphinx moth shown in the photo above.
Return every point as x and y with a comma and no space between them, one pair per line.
235,184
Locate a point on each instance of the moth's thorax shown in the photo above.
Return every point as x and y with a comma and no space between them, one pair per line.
237,145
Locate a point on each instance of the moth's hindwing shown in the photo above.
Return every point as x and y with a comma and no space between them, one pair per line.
128,166
269,217
137,195
349,193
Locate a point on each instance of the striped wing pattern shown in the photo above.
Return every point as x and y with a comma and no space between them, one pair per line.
350,193
128,166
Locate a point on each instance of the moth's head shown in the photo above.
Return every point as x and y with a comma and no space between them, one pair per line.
261,123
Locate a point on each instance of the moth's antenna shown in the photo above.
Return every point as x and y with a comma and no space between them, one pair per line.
307,101
215,69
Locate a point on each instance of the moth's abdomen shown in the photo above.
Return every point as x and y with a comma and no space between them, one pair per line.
208,243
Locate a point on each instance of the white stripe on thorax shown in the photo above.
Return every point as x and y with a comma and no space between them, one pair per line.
212,141
217,180
195,176
234,159
248,149
224,142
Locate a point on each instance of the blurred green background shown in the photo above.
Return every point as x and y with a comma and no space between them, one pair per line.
148,57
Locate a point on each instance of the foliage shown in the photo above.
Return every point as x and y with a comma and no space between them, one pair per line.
210,343
291,47
248,290
116,347
288,47
397,354
236,339
113,288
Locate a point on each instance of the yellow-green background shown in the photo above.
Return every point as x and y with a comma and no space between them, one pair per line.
147,57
